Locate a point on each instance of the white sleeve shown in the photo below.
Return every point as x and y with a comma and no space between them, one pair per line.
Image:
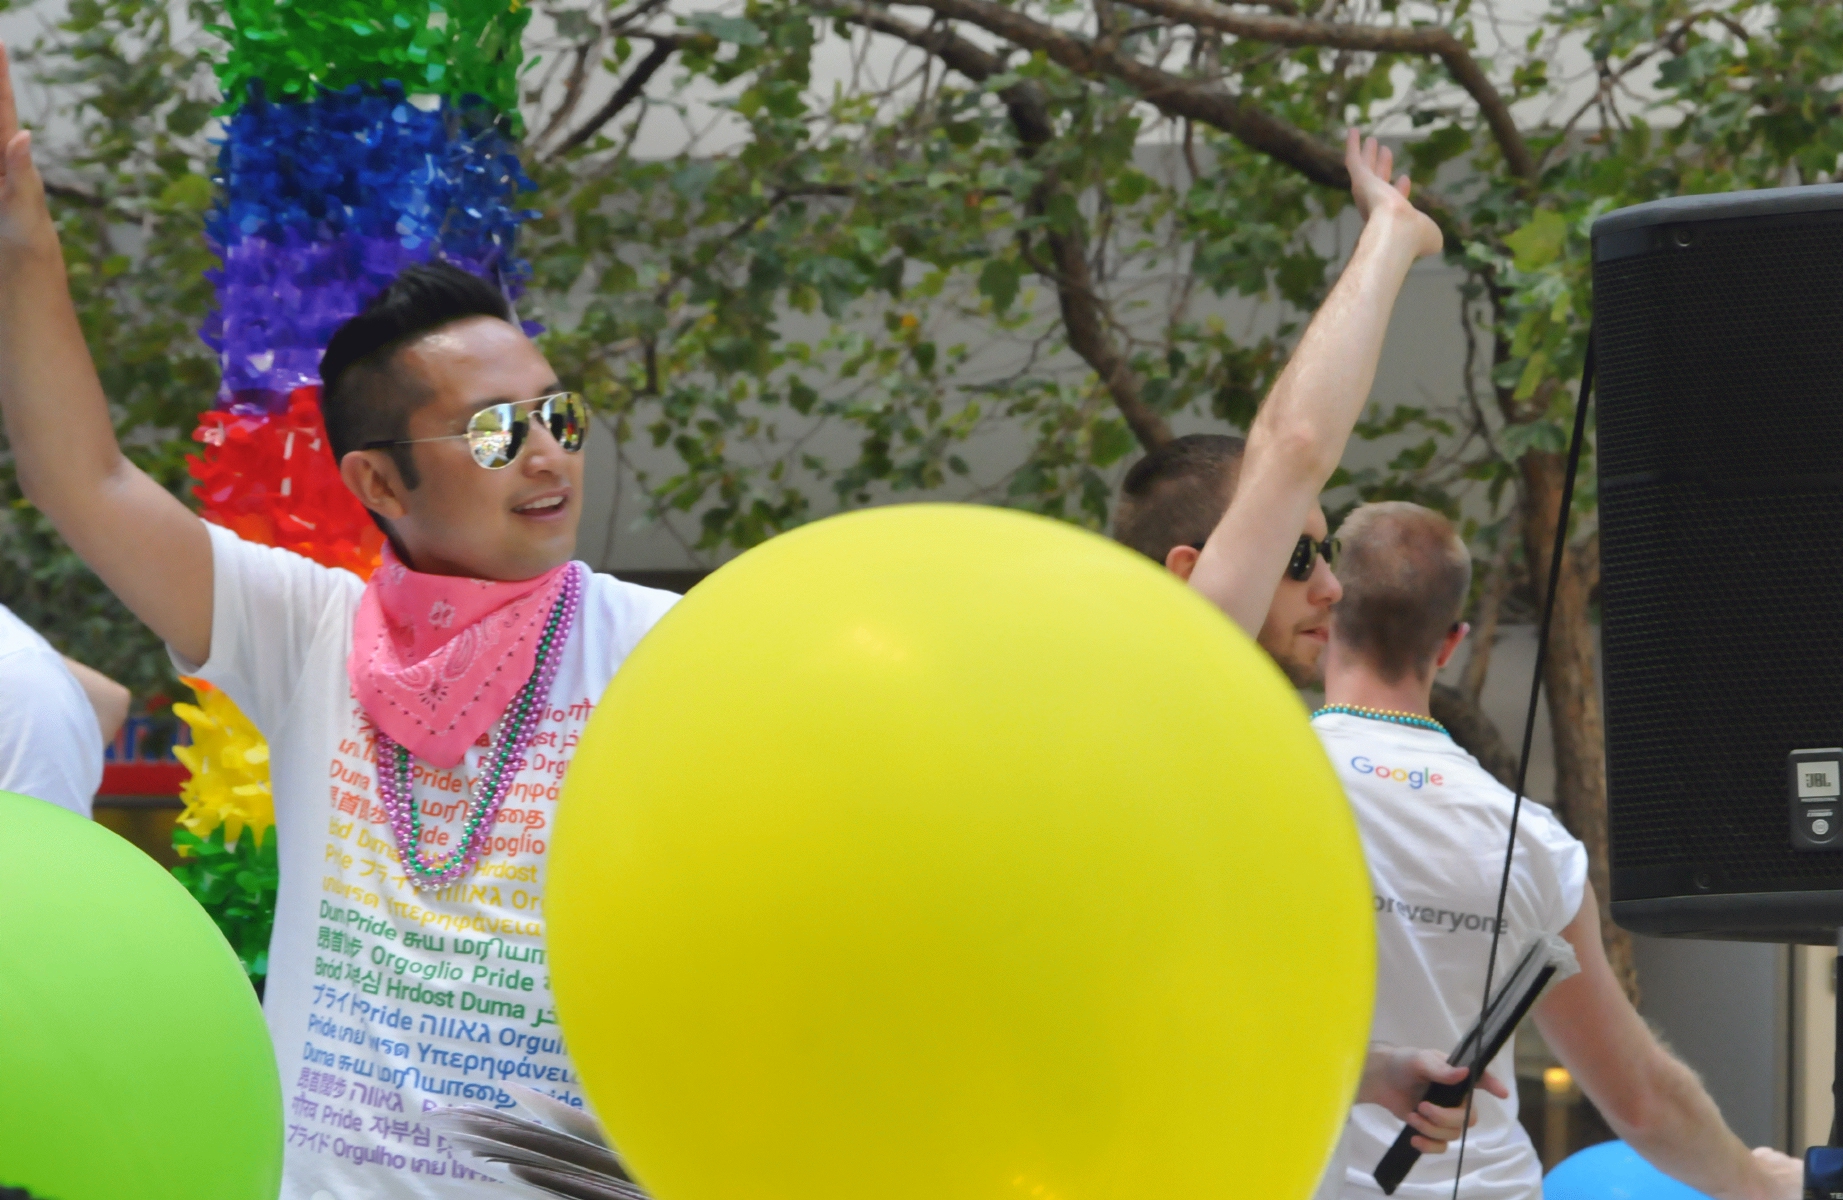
50,744
636,610
267,605
1564,871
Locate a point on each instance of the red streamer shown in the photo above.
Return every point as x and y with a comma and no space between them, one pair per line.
272,480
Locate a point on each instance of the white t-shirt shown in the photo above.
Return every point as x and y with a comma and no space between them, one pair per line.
384,1002
50,743
1434,826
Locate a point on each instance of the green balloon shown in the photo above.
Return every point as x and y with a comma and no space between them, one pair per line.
134,1061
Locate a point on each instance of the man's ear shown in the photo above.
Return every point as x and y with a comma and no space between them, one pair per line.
372,476
1450,645
1181,561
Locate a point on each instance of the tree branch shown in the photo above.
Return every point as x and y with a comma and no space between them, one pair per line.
1169,93
1083,312
572,92
967,58
1588,556
621,24
1086,324
1177,97
1671,41
664,47
72,195
1296,31
1484,632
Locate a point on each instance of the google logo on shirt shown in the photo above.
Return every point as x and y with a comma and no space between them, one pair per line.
1414,778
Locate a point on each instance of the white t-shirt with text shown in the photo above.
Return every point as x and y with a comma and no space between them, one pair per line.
1434,826
50,743
384,1002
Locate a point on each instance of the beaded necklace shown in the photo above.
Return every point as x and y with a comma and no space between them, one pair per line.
1394,715
396,786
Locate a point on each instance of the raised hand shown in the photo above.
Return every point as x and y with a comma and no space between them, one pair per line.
1370,163
150,549
25,222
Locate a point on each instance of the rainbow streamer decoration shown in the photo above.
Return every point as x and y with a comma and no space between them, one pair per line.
359,137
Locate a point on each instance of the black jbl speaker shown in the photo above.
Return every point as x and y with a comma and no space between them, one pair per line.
1718,328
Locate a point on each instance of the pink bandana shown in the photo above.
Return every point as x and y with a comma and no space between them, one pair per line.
437,659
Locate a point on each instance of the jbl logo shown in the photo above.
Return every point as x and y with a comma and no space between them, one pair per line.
1818,780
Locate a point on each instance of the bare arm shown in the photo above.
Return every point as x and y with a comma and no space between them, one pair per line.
1650,1098
1298,436
151,551
109,698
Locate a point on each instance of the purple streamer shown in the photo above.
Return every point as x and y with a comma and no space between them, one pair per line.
279,303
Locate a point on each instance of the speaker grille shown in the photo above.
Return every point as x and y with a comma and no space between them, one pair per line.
1720,449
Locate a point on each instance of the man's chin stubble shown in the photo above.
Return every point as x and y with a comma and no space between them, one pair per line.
1302,672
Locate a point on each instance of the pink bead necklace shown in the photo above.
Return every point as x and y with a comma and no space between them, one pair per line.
396,780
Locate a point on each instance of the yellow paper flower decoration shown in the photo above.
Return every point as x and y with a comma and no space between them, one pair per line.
229,762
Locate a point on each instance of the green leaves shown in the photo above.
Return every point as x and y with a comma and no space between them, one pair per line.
1538,242
189,194
735,30
829,311
1517,440
998,282
1111,441
236,885
1427,154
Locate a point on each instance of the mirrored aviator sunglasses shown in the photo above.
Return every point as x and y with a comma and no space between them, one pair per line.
497,432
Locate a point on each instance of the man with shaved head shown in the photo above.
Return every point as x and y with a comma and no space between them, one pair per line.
1434,826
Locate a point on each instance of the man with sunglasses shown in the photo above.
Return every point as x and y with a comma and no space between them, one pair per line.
1176,495
419,724
1257,561
1241,522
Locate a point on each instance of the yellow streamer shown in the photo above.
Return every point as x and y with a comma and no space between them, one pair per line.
229,761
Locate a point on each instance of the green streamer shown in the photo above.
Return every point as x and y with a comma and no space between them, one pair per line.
451,48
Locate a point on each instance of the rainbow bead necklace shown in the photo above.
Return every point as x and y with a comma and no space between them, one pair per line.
396,783
1393,715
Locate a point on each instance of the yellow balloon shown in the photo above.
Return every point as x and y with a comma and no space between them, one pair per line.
948,853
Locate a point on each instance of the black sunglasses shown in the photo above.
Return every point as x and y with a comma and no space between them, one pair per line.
1305,556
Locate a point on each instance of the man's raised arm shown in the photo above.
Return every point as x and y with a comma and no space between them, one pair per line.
1298,436
148,548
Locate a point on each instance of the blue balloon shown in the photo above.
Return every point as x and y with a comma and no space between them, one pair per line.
1612,1171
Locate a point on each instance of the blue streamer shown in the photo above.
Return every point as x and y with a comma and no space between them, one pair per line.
322,202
